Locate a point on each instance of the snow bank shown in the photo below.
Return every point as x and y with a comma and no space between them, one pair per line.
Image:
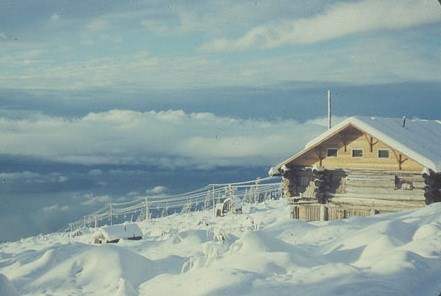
260,252
81,268
6,287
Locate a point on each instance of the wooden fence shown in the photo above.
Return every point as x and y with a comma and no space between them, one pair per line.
205,198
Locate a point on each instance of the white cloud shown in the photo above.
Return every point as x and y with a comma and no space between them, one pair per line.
56,208
165,138
156,26
338,20
140,70
62,179
217,17
157,190
33,177
93,200
121,54
382,60
372,60
96,25
95,172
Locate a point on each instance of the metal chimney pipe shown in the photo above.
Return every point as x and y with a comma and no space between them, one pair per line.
329,109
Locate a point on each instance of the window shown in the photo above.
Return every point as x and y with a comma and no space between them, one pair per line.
383,153
357,153
331,152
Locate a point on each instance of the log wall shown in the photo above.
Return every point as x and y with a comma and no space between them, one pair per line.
387,191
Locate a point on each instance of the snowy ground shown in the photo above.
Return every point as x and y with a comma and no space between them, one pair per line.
259,252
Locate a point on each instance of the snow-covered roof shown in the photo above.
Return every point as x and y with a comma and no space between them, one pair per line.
418,139
118,231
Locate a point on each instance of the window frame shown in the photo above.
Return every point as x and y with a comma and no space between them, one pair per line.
357,149
388,153
327,152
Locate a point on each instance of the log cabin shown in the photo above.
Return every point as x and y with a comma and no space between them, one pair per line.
367,164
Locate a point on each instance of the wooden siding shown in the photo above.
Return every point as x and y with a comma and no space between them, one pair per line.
347,140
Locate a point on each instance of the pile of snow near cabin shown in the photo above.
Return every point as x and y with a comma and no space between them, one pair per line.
258,252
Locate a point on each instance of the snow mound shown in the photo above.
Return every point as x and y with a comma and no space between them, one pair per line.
6,287
262,252
251,242
83,268
427,231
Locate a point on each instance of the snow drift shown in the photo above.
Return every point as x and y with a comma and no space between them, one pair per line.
6,287
259,252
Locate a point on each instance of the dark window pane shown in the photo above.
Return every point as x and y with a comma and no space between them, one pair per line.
383,153
357,153
331,152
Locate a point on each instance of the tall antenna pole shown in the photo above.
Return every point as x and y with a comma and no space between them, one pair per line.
329,109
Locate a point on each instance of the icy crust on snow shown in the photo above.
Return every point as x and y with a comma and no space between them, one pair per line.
259,252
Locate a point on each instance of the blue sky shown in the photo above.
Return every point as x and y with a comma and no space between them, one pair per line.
103,100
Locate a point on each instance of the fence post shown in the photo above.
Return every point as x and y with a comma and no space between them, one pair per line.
323,213
214,204
147,212
111,214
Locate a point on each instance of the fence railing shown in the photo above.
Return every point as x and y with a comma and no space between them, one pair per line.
202,199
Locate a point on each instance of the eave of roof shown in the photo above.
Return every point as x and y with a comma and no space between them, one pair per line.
313,143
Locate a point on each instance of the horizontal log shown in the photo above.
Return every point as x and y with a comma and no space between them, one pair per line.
370,184
384,205
386,197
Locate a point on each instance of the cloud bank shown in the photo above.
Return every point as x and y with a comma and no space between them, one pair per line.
167,139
